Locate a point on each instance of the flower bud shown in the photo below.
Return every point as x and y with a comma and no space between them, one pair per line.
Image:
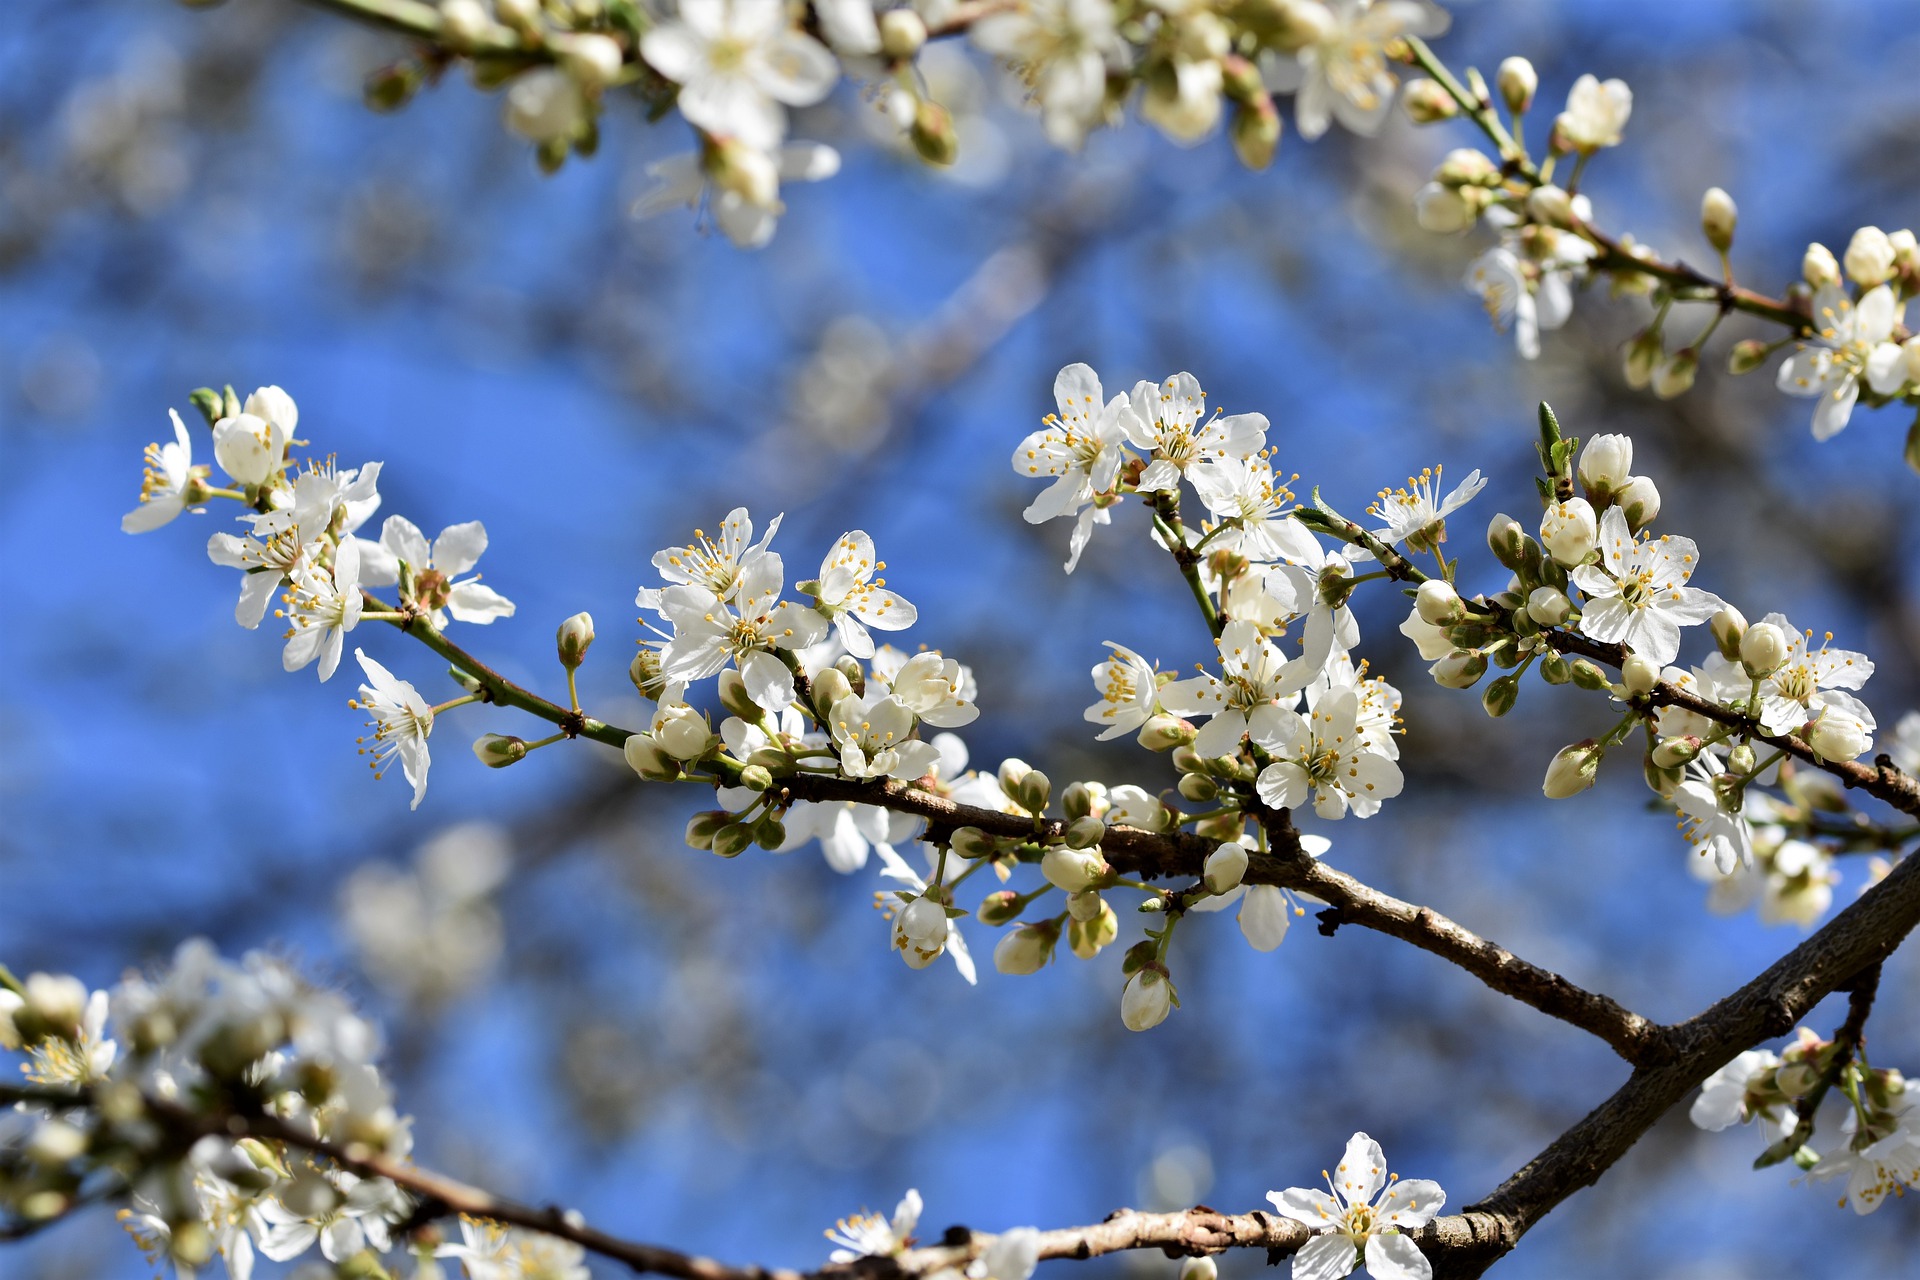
1572,770
1507,540
1740,760
593,60
1838,736
1639,502
1163,732
646,758
464,22
1729,627
1763,649
574,636
1549,606
1639,674
1869,257
1555,669
735,698
1674,377
681,732
756,777
497,752
1674,752
733,840
1500,695
933,133
902,32
1084,905
1204,1267
1569,530
1906,249
1642,357
1438,603
1032,791
999,907
1072,869
52,1005
1442,210
1466,167
521,15
1427,103
1551,206
1088,937
702,826
1147,1000
1198,787
1225,867
1085,833
1460,669
644,671
1588,676
1012,770
1606,464
849,666
1717,218
829,687
1818,267
1028,948
1517,81
1256,132
1080,800
1747,355
972,842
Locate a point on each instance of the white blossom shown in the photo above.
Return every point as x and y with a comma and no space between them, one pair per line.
1723,1100
1254,674
1852,342
1244,496
402,721
739,184
1638,594
1062,48
322,606
1343,73
1416,513
737,62
868,1235
1082,446
163,489
1358,1222
1709,801
871,735
434,569
1129,690
1596,113
854,599
1323,754
1170,421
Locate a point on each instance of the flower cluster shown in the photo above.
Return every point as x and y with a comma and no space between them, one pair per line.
1874,1147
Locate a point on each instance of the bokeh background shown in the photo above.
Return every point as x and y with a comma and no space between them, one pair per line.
725,1056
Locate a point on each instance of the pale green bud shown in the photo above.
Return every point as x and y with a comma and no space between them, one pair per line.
497,752
1717,218
1085,833
1639,675
732,840
1764,649
1517,81
1729,627
1572,770
574,638
1426,102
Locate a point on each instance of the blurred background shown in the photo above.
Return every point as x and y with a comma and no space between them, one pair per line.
725,1056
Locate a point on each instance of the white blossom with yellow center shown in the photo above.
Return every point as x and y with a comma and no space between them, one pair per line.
1638,594
1851,342
1357,1222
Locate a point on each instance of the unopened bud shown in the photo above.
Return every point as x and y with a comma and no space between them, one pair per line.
574,638
1500,695
388,88
1460,669
1012,770
1747,355
1507,540
735,698
646,758
1225,867
829,687
1164,732
1555,669
1642,358
1639,674
701,827
1569,530
1588,676
1551,206
1518,81
1427,103
902,32
1818,266
1084,905
1438,603
1763,649
51,1005
733,840
1088,937
972,842
1200,1268
1674,377
933,133
1729,627
1741,759
998,907
521,15
1256,132
1442,209
1085,833
1572,770
1549,606
1717,218
1674,752
1606,464
1147,1000
1869,257
497,752
1838,736
1639,502
1027,949
464,22
1072,869
1198,787
593,60
756,777
1082,801
1466,167
1032,791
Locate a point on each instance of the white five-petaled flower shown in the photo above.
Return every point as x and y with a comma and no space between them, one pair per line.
868,1235
434,568
1062,48
1806,684
1170,419
938,690
402,721
1356,1221
249,448
354,1217
491,1251
745,197
1343,74
1324,754
1875,1166
1596,113
854,599
1082,446
1724,1101
871,734
1257,509
322,606
715,565
707,631
325,499
1254,674
1128,692
1638,594
1851,342
737,62
264,565
1709,800
163,489
1416,514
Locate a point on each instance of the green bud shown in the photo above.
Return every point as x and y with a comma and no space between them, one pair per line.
1086,938
756,777
1198,787
1427,103
1741,759
392,87
702,826
1469,635
1186,759
770,833
1085,833
1588,676
1501,694
207,401
972,842
1674,752
1139,956
999,908
1164,732
734,697
1256,132
573,639
1643,356
1747,355
1078,800
1555,669
1033,791
497,752
856,676
828,688
933,133
732,840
